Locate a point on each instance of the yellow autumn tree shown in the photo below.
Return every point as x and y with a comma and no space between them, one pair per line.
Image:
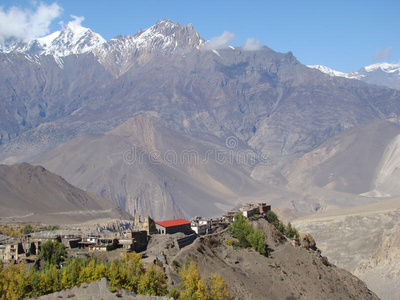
153,282
15,282
218,288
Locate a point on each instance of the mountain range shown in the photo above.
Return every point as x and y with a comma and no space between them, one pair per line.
79,94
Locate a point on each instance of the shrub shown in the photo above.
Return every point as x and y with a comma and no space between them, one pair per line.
271,217
229,242
174,293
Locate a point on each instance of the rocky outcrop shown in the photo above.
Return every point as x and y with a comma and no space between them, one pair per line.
307,241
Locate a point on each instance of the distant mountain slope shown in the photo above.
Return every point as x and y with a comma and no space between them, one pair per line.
148,169
31,193
348,162
381,74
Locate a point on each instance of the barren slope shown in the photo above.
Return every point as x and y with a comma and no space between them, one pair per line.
31,193
148,169
288,273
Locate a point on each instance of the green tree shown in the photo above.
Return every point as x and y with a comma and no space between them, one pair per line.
280,227
247,235
113,276
257,241
52,252
291,232
131,270
240,229
271,217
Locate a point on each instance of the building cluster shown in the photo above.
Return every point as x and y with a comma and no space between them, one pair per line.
248,210
251,209
28,247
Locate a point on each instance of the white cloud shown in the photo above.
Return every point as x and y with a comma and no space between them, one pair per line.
24,24
383,53
76,23
251,44
219,42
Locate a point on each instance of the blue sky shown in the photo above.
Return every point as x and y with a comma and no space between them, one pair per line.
343,35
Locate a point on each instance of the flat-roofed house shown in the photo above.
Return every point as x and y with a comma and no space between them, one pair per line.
173,226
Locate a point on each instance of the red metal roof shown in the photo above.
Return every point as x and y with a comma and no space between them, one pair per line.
172,223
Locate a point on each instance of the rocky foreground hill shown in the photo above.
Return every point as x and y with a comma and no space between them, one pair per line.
288,272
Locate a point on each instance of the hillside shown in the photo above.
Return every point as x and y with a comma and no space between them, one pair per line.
346,163
31,193
148,169
289,272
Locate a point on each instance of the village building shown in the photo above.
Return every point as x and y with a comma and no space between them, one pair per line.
148,225
251,209
173,226
264,208
134,241
201,226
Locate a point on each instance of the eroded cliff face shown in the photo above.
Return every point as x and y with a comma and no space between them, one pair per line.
363,240
381,271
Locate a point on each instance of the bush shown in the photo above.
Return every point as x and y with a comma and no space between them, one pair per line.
174,293
280,227
229,242
291,232
271,217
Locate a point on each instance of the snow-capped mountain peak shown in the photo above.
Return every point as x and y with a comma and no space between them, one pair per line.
328,71
380,73
168,35
165,37
72,39
385,67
